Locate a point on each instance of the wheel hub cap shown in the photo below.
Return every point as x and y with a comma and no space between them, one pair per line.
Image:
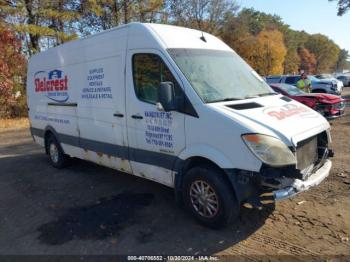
204,199
53,152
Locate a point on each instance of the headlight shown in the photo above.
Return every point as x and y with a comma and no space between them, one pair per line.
269,150
339,106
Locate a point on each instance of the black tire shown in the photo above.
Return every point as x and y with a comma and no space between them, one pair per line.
60,160
228,208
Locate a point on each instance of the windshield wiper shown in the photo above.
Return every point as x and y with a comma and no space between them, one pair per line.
225,100
246,97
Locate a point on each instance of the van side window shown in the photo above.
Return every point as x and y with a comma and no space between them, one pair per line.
148,72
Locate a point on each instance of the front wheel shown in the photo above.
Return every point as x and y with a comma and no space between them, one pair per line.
210,197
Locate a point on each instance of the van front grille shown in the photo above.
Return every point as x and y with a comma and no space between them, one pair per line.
307,153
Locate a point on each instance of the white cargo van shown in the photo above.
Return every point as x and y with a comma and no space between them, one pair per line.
180,107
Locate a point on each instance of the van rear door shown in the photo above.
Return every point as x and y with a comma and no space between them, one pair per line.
155,137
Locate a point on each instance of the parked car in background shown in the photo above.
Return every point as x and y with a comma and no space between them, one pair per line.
345,79
318,86
340,84
330,106
324,76
273,79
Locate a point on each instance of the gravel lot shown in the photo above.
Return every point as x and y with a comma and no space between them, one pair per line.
87,209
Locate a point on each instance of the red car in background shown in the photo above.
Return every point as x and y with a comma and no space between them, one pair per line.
330,106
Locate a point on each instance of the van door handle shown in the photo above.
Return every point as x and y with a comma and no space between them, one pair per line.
137,117
118,115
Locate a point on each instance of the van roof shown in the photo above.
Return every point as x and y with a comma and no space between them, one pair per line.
169,36
181,37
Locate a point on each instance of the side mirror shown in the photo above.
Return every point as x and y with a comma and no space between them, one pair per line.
166,95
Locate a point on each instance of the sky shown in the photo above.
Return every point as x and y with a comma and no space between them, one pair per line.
312,16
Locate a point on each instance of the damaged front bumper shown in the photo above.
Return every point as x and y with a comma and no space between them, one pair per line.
298,185
256,189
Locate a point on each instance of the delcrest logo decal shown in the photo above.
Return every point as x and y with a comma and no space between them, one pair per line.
289,110
53,83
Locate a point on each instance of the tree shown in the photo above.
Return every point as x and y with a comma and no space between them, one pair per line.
273,52
293,41
254,22
343,6
246,47
206,15
265,52
292,62
98,15
325,50
307,61
12,73
250,21
343,61
42,23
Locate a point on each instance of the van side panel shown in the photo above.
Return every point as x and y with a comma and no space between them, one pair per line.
90,90
101,101
51,96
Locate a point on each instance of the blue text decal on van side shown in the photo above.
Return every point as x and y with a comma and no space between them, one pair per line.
159,129
96,88
53,83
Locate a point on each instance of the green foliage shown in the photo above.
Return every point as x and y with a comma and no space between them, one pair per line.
41,23
205,15
98,15
254,21
325,50
343,61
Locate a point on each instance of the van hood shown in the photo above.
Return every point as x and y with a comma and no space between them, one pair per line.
285,118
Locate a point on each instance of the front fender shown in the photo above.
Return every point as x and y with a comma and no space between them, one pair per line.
203,151
207,152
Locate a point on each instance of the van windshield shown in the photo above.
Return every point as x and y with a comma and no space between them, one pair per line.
219,75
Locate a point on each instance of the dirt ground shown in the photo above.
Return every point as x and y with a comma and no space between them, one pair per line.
87,209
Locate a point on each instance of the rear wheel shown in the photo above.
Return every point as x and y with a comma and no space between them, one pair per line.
210,197
56,155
